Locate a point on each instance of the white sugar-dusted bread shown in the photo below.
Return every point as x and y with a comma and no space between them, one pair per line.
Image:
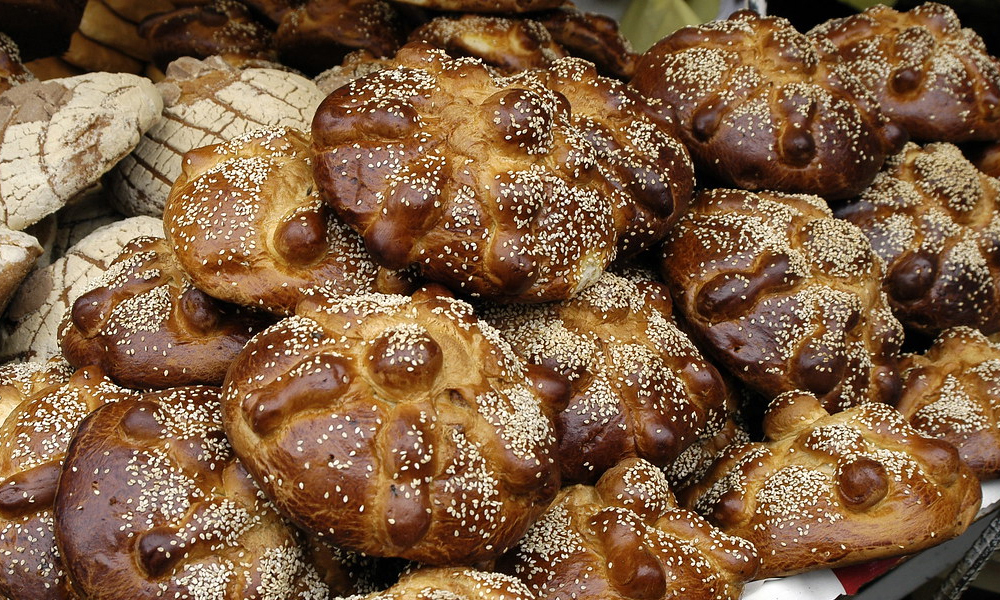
18,252
207,102
33,317
58,137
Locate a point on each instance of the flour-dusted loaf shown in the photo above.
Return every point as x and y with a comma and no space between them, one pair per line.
18,252
58,137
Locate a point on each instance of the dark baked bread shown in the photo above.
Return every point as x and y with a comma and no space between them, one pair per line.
933,78
828,491
951,392
485,6
396,426
987,160
355,65
453,584
638,385
591,36
761,109
12,71
19,380
152,503
33,442
934,220
521,188
785,296
148,327
41,27
626,539
246,224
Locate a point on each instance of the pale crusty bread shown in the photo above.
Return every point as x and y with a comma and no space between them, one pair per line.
18,252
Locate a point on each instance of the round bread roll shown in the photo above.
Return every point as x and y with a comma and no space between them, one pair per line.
934,220
950,393
12,71
33,442
247,225
514,189
785,296
931,77
396,426
639,387
41,27
828,491
152,503
453,584
591,36
148,327
627,539
761,109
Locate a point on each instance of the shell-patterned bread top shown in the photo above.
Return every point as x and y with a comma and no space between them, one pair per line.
247,225
626,538
453,583
215,28
12,71
520,188
59,137
934,220
508,43
592,36
148,327
951,393
33,443
206,102
826,491
761,109
638,386
316,35
785,296
396,426
152,503
931,77
485,6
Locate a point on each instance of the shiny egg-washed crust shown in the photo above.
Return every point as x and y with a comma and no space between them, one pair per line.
152,503
758,107
828,491
931,77
148,327
41,27
396,426
248,227
987,160
627,539
950,393
638,386
33,443
485,6
934,220
592,36
12,71
452,583
521,188
785,296
219,27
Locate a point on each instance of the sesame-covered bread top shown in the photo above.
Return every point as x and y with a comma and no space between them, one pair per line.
452,583
486,6
521,188
591,36
760,107
934,220
931,76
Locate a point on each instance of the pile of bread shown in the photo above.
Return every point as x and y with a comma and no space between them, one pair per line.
469,316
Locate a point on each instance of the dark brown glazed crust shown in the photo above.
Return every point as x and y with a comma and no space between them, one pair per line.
987,160
759,108
591,36
396,426
931,77
148,327
827,491
12,71
33,443
485,6
934,220
41,27
516,189
951,392
626,539
152,503
638,386
785,296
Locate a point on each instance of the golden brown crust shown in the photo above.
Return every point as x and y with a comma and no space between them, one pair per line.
12,71
33,443
148,327
396,426
829,491
248,227
454,584
931,77
987,160
785,296
951,392
518,189
592,36
627,539
934,220
760,108
639,387
485,6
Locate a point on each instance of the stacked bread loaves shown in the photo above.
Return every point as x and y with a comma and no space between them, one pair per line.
493,308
